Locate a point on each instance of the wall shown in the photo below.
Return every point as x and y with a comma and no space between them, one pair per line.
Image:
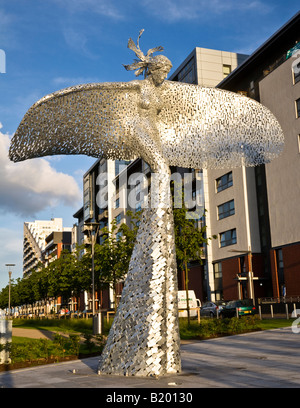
279,93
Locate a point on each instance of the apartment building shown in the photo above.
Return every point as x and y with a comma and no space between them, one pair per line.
271,75
55,243
254,211
225,202
103,201
34,241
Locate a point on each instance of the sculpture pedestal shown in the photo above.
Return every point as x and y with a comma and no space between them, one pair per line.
144,339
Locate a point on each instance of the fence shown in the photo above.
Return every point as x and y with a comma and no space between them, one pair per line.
278,307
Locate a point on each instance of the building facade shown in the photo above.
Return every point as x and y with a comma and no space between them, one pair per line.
228,195
55,243
34,241
271,76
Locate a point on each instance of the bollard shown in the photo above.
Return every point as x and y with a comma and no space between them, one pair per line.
259,309
5,339
271,307
287,311
97,323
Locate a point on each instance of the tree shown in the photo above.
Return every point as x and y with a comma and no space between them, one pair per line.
112,257
189,242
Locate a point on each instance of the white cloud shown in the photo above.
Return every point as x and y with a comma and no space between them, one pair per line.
33,185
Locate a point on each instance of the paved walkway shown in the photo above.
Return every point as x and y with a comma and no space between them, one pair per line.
32,333
268,359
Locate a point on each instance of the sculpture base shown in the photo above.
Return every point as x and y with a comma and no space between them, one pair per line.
144,338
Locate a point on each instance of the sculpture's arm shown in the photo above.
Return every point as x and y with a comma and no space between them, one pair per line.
212,128
105,86
92,119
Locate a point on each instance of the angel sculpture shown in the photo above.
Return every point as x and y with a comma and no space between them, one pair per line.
166,124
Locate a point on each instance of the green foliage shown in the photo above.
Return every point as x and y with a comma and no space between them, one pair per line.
209,328
5,347
66,276
94,342
30,350
112,257
88,341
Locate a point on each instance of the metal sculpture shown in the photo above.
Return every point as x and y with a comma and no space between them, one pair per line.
166,123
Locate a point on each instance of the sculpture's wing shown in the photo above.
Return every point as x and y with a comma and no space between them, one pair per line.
91,119
212,128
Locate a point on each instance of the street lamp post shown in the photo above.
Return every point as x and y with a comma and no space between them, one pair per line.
93,228
9,285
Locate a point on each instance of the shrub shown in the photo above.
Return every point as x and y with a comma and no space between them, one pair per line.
217,327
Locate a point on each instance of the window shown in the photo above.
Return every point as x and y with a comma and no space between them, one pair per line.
224,182
298,108
226,70
218,270
117,203
120,166
228,238
218,280
187,74
296,73
226,209
118,218
280,271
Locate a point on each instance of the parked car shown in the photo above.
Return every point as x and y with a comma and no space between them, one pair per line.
242,307
212,309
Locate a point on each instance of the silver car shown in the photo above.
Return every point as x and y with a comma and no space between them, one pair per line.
212,309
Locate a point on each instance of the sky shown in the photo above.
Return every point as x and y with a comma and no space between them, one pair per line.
52,44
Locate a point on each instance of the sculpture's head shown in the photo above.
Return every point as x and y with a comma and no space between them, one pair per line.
156,67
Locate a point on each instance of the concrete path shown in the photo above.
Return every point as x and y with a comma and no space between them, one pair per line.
33,333
268,359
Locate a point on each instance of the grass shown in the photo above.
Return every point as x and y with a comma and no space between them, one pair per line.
41,351
72,338
64,325
269,324
210,328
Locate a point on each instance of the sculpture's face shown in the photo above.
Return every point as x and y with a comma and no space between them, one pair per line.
159,75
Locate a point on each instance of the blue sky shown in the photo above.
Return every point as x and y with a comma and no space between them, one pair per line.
52,44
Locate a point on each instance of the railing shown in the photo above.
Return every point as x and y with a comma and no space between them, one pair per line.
279,307
282,299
